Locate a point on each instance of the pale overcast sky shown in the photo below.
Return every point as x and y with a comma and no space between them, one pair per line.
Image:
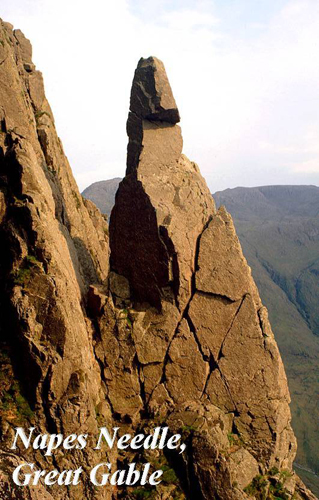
245,75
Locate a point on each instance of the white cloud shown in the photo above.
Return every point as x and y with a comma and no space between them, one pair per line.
309,166
188,19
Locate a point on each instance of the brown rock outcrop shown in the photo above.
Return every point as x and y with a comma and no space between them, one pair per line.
171,205
206,355
53,246
173,334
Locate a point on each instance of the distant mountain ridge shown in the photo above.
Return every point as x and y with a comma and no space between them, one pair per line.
278,227
102,193
274,201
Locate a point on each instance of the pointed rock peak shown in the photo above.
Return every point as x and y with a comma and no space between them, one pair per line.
163,203
25,46
151,94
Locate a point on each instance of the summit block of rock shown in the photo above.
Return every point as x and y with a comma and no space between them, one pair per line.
163,204
151,95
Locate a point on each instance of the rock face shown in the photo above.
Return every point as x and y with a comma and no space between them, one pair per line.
53,246
174,333
171,205
207,352
283,254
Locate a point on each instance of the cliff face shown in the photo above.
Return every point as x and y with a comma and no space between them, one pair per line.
284,255
174,333
54,245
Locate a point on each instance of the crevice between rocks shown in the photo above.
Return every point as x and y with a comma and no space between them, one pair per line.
185,313
220,353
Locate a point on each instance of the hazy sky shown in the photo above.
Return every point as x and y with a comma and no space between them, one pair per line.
245,75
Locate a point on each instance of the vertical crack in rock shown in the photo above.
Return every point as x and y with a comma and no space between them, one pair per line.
212,367
141,380
220,353
185,314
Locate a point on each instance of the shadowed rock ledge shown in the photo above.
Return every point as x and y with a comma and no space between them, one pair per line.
175,333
